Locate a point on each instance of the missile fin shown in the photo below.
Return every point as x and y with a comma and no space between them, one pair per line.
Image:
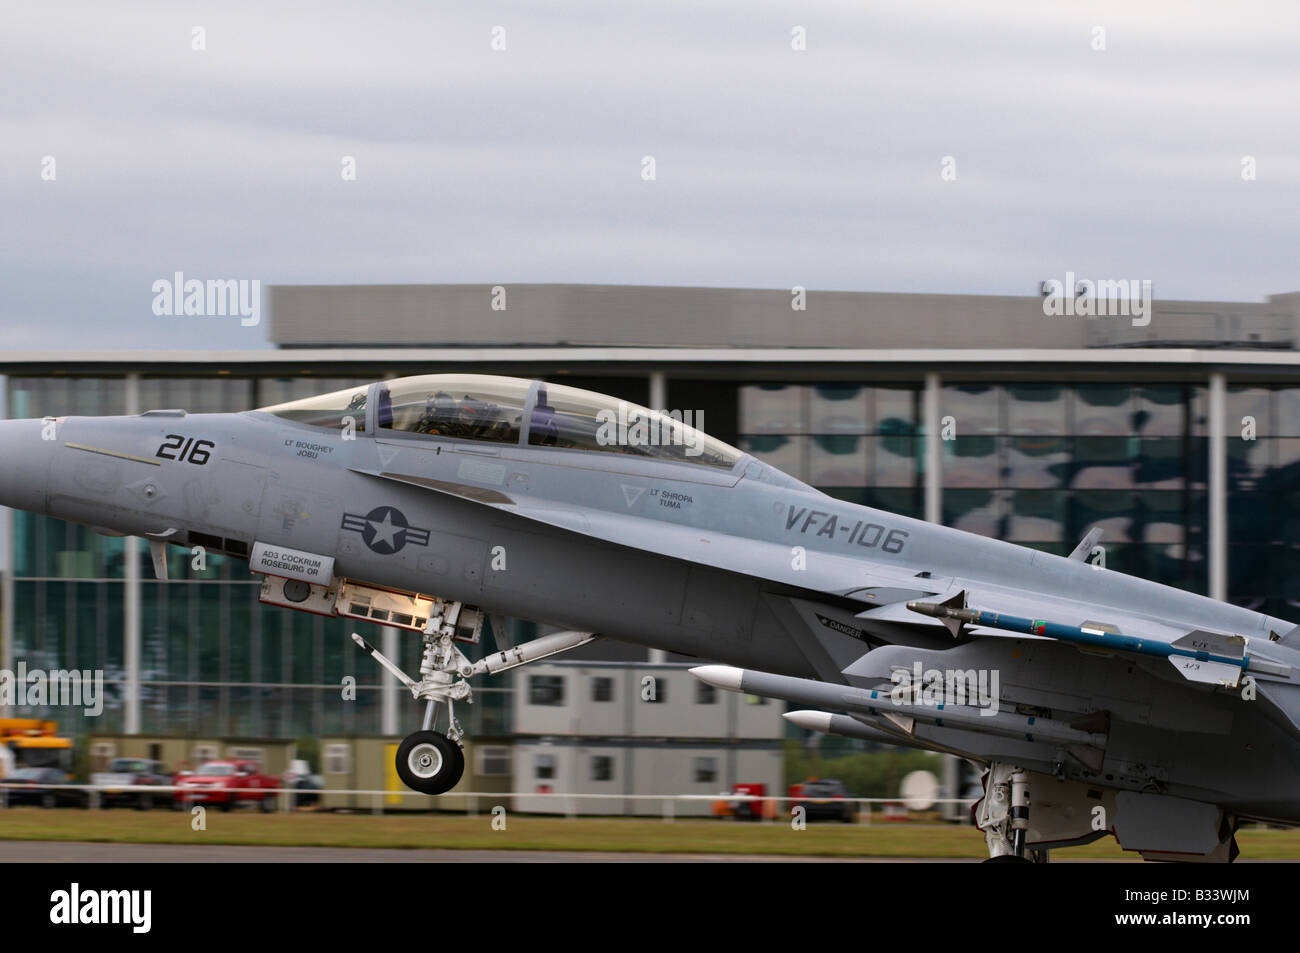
1207,673
1216,643
905,722
1084,549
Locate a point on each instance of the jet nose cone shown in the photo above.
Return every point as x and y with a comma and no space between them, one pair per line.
25,457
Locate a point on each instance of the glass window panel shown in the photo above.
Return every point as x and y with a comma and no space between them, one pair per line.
1286,411
838,461
1037,461
304,647
238,619
974,511
895,410
970,462
839,409
1199,412
1037,516
1241,401
1250,574
208,711
213,645
896,460
1160,410
976,408
1198,462
1103,409
1161,464
1103,463
1161,518
1287,508
773,409
1250,518
1113,511
1036,410
1248,463
1284,475
242,716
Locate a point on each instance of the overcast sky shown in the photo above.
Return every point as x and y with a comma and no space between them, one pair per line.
773,167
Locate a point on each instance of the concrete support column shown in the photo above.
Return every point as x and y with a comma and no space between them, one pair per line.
933,460
388,692
658,401
131,602
1218,489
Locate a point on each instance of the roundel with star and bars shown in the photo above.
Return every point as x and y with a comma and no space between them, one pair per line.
385,530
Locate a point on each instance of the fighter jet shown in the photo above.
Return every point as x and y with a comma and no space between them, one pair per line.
1097,703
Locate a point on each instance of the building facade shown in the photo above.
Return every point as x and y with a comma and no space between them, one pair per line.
1181,440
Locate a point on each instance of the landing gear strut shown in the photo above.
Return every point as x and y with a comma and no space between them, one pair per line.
428,760
1003,815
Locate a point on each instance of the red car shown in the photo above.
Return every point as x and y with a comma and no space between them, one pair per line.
226,784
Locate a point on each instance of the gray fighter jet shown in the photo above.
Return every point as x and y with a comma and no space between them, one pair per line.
1097,702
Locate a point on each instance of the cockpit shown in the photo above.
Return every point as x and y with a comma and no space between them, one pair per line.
510,410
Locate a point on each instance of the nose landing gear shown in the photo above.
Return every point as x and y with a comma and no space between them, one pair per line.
429,761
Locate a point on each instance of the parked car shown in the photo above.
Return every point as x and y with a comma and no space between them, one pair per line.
826,799
300,779
127,772
227,784
75,796
746,809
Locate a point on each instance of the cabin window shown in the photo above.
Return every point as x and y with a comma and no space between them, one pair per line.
569,418
342,408
461,406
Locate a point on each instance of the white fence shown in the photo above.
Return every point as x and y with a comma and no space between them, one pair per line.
287,797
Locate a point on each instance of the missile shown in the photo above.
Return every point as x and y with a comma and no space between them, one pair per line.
903,705
1199,656
826,723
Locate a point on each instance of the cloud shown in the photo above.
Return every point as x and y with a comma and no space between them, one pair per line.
774,167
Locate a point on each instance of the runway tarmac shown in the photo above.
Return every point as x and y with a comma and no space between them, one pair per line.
33,852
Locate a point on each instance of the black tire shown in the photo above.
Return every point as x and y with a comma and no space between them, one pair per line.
268,803
49,800
144,802
228,804
429,762
1007,859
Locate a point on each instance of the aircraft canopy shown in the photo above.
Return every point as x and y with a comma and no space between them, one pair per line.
486,408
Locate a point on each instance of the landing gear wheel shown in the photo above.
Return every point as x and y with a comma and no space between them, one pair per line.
429,762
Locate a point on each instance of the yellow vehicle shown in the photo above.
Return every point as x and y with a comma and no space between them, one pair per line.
33,743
